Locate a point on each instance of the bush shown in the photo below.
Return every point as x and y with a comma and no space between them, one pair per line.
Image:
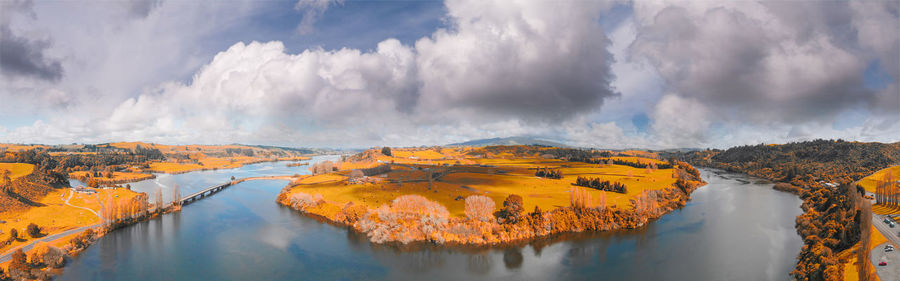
512,210
13,234
18,266
480,208
33,230
52,256
409,218
386,151
302,201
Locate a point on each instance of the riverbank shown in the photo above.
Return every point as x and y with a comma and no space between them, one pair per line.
401,222
499,200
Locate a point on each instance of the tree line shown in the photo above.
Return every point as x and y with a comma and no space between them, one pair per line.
548,173
603,185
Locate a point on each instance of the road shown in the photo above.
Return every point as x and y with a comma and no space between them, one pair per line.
27,247
892,270
8,255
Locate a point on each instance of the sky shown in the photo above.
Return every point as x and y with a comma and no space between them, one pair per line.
350,74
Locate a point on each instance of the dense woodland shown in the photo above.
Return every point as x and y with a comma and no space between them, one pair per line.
832,215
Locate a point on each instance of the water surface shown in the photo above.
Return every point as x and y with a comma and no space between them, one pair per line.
734,228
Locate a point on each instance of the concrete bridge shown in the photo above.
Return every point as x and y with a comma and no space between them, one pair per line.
215,189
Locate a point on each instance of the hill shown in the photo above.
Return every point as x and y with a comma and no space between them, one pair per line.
821,172
509,141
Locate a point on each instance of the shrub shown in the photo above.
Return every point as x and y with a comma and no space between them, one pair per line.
386,151
33,230
480,208
512,210
19,264
409,218
302,201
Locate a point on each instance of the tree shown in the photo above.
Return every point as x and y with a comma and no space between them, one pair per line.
479,208
176,195
6,176
355,175
159,199
13,234
386,151
512,209
19,263
33,230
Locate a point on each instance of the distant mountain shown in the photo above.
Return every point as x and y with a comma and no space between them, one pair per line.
509,141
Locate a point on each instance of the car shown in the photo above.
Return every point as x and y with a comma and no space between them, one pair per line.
891,224
882,263
888,249
887,220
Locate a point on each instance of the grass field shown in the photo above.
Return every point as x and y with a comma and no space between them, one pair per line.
205,163
493,177
870,182
55,216
851,270
118,177
17,169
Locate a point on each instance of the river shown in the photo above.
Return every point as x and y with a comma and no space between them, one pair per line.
734,228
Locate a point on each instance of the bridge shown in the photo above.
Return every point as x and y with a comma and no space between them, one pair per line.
215,189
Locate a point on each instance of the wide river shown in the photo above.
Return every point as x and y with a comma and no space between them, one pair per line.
734,228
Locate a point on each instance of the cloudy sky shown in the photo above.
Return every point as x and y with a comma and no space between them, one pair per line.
321,73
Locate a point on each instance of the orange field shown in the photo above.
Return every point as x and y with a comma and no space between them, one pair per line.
55,216
496,178
16,169
205,163
851,269
871,181
118,177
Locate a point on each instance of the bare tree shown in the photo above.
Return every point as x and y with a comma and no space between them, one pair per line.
159,199
176,195
480,208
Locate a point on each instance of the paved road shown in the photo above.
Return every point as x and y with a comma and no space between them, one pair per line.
891,272
27,247
8,255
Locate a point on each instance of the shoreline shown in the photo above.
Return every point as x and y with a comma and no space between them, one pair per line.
553,223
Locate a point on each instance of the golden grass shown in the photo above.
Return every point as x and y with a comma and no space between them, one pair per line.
117,176
504,177
17,169
872,180
205,163
21,147
851,271
55,216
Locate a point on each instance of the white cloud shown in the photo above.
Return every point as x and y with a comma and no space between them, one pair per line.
732,73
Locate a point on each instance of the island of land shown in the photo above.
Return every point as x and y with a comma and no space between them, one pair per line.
490,195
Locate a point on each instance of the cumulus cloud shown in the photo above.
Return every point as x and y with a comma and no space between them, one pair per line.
537,60
745,60
704,73
765,64
535,64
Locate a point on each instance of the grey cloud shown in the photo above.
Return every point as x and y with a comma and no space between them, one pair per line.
20,56
544,63
758,63
142,8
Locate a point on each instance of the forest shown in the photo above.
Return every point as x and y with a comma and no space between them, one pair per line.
832,215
